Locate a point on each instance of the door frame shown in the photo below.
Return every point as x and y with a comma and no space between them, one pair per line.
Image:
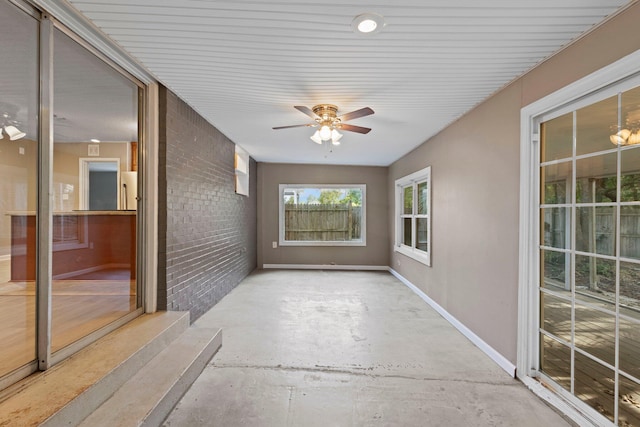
619,76
62,16
83,179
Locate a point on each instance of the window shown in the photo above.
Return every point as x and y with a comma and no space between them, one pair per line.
242,171
413,215
322,215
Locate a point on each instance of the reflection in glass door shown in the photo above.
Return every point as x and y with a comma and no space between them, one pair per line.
18,186
68,199
95,126
590,255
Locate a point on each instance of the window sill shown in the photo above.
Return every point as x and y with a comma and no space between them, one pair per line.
420,256
310,243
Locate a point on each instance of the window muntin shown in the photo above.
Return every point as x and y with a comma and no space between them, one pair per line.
408,200
322,215
413,219
590,247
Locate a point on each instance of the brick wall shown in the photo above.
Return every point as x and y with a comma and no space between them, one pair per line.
207,232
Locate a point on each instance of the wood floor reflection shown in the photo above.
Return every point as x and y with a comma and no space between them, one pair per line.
594,383
79,307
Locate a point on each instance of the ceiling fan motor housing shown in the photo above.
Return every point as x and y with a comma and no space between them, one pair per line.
327,115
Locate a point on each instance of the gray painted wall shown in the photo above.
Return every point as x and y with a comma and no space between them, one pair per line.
475,199
207,232
270,175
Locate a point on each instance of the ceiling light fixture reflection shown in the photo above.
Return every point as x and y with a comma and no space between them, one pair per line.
630,133
9,127
14,133
625,137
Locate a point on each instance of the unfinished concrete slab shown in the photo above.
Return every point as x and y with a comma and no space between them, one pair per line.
318,348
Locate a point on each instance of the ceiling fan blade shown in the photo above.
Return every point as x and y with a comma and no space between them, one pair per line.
353,128
366,111
306,110
294,126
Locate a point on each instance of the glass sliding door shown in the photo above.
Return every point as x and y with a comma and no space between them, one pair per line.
68,200
18,186
95,122
589,330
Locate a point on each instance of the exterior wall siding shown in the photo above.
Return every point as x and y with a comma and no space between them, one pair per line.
207,232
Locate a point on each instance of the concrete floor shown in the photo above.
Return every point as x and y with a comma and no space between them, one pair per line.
332,348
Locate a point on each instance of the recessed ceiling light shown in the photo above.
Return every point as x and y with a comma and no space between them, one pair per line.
95,140
368,23
367,26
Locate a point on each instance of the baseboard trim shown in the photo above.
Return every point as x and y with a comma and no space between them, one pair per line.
498,358
325,267
71,274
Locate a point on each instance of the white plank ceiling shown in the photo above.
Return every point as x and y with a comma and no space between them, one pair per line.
244,64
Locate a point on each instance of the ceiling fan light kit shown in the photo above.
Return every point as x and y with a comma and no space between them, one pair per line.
316,137
326,118
335,137
325,132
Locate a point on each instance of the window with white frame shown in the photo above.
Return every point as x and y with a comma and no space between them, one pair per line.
413,215
322,215
242,171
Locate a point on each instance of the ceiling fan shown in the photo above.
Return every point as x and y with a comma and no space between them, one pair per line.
325,116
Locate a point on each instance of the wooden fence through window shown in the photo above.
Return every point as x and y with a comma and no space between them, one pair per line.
324,223
598,237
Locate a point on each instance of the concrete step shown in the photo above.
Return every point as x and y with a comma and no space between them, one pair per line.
149,396
68,392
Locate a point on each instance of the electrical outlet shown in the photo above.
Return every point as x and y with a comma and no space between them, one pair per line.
21,150
274,245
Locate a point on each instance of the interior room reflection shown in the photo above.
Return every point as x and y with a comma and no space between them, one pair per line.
94,193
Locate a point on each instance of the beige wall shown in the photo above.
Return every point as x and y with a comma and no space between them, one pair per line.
270,175
475,190
18,183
